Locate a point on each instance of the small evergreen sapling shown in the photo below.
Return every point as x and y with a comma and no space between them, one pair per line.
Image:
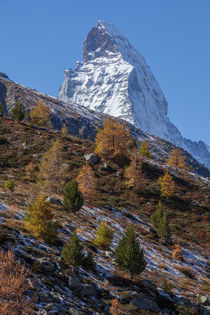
72,253
144,150
27,115
132,145
88,262
104,236
160,223
9,185
129,255
73,199
163,230
157,216
17,113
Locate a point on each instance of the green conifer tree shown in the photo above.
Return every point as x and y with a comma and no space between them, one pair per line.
144,150
132,145
104,236
163,230
88,262
9,185
17,113
157,216
72,252
160,223
73,199
1,110
129,255
27,115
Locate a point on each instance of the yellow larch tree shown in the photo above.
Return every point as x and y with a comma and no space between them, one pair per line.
167,185
133,173
113,139
40,115
177,159
87,182
31,170
39,219
53,172
64,130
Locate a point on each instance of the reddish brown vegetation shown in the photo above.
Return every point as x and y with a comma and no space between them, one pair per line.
178,252
115,308
133,173
13,285
87,182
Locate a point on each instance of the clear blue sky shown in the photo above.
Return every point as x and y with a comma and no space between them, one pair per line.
41,38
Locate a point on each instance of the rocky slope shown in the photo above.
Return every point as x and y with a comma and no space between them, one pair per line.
81,121
55,288
114,78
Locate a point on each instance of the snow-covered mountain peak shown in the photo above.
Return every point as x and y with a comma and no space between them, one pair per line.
105,39
98,43
109,28
114,78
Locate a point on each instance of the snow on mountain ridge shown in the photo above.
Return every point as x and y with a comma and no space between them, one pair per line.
114,78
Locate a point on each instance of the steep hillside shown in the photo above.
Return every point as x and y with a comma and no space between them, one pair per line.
53,287
113,78
81,121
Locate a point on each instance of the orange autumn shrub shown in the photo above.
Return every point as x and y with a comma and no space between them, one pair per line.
13,285
115,308
178,252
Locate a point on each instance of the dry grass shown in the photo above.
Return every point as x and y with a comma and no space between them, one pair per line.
162,266
187,271
167,285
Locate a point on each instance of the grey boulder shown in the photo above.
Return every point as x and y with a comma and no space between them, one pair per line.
74,283
144,304
89,290
91,158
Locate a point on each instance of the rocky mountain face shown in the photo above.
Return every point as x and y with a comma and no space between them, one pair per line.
114,78
82,121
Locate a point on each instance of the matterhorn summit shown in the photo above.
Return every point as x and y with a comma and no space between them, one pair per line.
114,78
